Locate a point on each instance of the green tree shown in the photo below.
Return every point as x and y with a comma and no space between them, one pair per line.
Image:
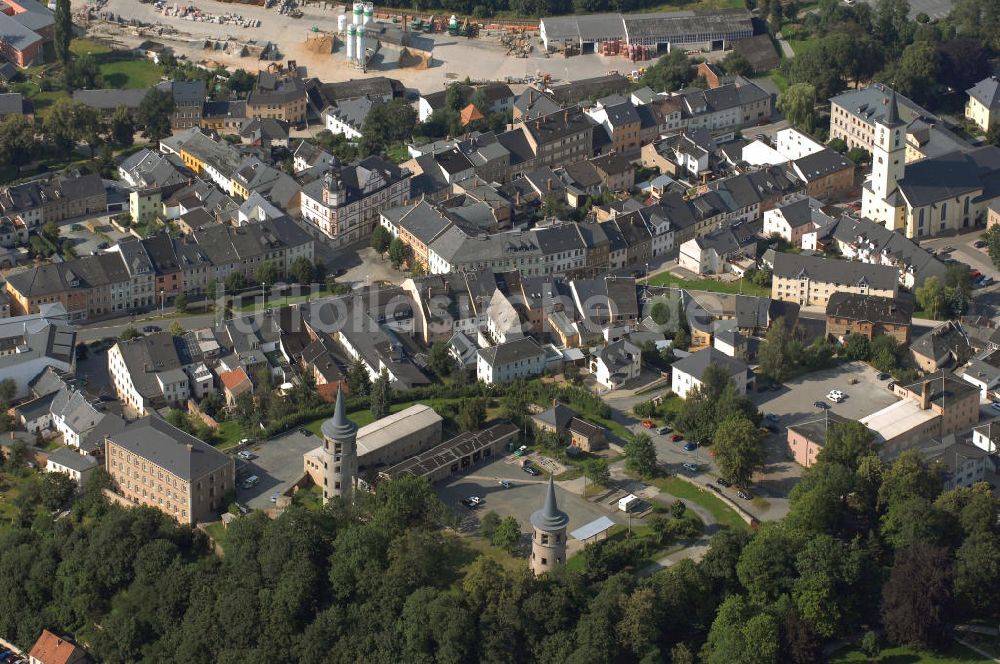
917,599
640,455
177,329
739,449
930,296
17,140
240,82
439,359
8,390
846,444
671,72
399,252
471,414
488,524
235,282
774,351
870,644
741,635
453,97
155,114
798,103
507,535
977,573
381,396
266,273
181,303
597,472
381,239
302,270
83,74
60,124
916,73
62,31
358,381
660,313
87,126
736,64
129,333
387,124
857,347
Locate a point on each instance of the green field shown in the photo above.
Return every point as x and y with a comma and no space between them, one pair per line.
956,654
739,287
723,514
127,74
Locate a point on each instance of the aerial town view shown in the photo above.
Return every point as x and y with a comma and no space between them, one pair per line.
510,332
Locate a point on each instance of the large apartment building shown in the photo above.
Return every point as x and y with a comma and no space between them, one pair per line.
346,202
811,280
153,463
278,97
62,197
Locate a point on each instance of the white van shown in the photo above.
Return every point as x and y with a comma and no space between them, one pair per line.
250,482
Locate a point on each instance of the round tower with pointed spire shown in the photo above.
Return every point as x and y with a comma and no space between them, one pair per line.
548,534
340,453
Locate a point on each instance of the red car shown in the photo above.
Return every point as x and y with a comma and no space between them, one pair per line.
676,437
648,424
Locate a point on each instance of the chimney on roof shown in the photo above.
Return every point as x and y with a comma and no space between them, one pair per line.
190,448
925,395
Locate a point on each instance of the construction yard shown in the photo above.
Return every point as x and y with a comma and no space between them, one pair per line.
493,55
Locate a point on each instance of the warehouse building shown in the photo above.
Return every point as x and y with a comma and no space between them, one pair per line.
663,30
456,455
387,441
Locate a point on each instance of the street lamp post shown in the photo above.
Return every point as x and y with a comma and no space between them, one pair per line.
161,303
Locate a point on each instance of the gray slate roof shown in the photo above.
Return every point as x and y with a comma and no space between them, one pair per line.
834,271
166,446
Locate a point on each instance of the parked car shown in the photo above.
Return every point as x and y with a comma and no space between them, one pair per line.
891,385
821,405
947,250
979,244
690,467
531,470
721,481
691,446
149,329
995,405
986,281
648,424
251,482
274,496
663,430
836,396
677,436
744,495
505,484
772,417
246,455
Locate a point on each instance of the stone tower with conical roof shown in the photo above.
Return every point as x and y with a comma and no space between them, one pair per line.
339,454
548,534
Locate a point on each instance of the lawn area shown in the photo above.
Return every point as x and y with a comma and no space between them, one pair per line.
779,79
217,532
956,654
130,73
229,434
739,287
83,46
311,498
724,515
800,46
473,547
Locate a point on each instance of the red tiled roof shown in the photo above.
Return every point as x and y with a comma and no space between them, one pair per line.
52,649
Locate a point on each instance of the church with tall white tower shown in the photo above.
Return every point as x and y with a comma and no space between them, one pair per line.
881,200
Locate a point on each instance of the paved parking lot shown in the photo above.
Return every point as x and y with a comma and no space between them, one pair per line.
794,401
526,495
85,242
278,465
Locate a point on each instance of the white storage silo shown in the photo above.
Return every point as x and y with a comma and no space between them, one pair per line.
356,14
360,44
350,42
369,13
341,23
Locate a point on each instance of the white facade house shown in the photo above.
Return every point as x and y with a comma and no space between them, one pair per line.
686,373
792,144
521,358
79,467
987,436
616,364
36,342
